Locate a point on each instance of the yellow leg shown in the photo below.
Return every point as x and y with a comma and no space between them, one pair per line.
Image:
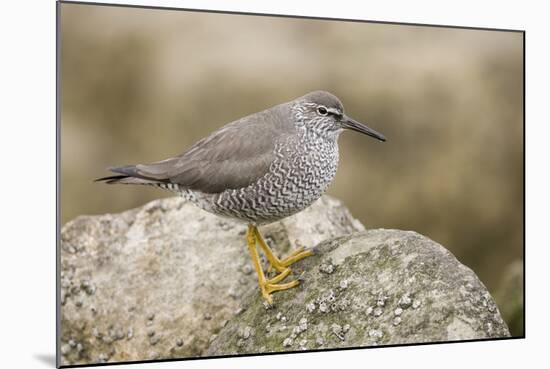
274,261
267,286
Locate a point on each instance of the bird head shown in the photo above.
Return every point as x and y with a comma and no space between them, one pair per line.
323,113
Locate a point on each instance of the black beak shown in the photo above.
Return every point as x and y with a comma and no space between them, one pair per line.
349,123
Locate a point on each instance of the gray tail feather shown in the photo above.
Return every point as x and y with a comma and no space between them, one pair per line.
128,175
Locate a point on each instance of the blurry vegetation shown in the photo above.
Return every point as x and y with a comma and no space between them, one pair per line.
141,85
509,297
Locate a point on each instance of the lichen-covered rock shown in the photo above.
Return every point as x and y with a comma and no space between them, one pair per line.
168,280
160,280
371,288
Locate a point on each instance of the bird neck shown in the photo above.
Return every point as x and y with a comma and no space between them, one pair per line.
313,128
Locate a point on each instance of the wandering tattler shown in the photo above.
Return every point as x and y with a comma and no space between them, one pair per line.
258,169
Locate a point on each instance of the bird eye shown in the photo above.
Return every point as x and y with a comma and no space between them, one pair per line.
322,110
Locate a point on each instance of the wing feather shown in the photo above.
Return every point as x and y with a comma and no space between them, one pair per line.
233,157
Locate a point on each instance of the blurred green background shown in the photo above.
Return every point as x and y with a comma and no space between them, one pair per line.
140,85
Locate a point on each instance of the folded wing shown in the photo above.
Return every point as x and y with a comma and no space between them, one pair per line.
233,157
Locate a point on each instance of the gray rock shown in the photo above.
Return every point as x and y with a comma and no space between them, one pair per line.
401,288
168,268
168,280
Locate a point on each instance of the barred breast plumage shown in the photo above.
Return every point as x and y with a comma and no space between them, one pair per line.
302,170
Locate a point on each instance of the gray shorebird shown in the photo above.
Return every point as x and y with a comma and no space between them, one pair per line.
258,169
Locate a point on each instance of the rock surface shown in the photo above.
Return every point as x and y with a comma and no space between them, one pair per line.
158,281
169,280
375,287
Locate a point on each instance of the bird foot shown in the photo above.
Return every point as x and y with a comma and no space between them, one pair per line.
279,277
268,286
272,285
296,255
